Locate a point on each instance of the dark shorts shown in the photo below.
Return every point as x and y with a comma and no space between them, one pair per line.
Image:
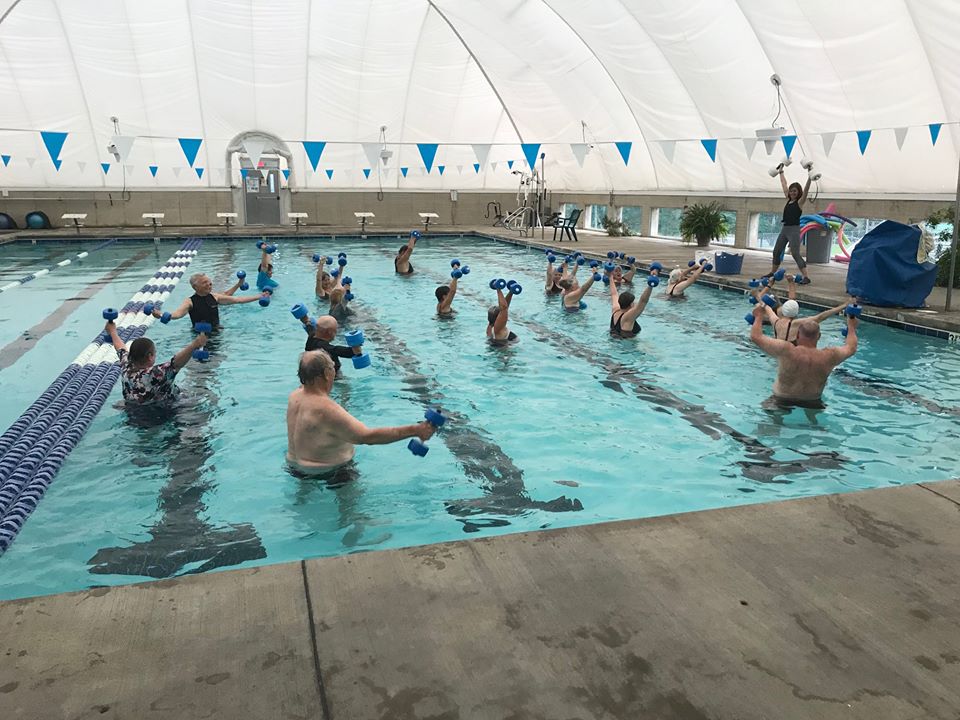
332,477
775,401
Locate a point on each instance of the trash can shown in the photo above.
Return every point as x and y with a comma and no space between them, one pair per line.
819,242
728,263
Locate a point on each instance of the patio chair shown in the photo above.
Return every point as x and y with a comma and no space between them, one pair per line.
567,226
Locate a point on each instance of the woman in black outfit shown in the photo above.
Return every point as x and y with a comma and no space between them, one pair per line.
790,232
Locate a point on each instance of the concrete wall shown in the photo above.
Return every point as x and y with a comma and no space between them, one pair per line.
330,208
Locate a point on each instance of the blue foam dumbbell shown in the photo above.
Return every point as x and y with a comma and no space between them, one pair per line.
260,244
165,318
346,280
798,278
299,311
594,264
264,300
551,258
201,355
750,318
514,287
853,310
609,267
844,331
465,269
581,261
653,281
754,283
597,277
270,249
148,308
241,274
655,265
244,285
342,262
435,418
455,263
203,327
456,274
334,273
415,234
498,284
348,296
779,274
753,299
354,338
769,301
110,314
631,259
691,263
611,255
708,267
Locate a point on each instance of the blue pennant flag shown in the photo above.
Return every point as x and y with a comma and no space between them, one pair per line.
6,159
428,151
711,147
625,148
244,172
286,174
199,173
329,174
404,171
57,164
863,137
935,131
54,143
190,147
153,170
476,168
530,152
788,142
314,150
441,168
366,173
106,167
510,164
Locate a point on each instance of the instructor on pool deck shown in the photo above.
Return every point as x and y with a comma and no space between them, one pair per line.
320,434
790,232
803,369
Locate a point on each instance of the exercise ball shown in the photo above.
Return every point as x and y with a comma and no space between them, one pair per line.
37,220
7,222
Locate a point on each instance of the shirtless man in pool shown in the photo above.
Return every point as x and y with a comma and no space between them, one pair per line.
320,434
803,369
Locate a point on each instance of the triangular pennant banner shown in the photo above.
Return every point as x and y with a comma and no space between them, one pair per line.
244,172
476,168
253,147
749,145
669,147
510,164
482,152
441,168
935,131
329,174
624,148
372,151
711,147
580,151
190,147
81,166
199,172
827,139
788,142
57,164
176,171
6,159
31,161
105,167
123,143
314,150
900,134
286,173
530,152
428,152
493,166
459,169
863,139
54,144
404,171
366,173
128,168
348,174
153,169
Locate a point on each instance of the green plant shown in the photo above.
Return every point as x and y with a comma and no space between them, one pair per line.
945,219
703,222
615,228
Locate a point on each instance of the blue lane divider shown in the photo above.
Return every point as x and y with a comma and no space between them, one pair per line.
34,447
62,263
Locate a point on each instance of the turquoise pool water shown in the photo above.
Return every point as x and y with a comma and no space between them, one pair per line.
567,427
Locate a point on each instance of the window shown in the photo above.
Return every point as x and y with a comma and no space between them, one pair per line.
668,222
632,219
731,217
768,228
566,209
596,214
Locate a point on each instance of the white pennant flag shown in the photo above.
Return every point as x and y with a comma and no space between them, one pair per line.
221,175
749,145
31,161
828,139
459,169
348,174
253,147
493,166
580,151
123,143
176,171
386,173
372,151
128,168
81,166
482,152
668,147
901,134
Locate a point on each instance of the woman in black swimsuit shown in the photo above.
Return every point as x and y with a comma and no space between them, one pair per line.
401,263
623,320
497,331
790,232
554,276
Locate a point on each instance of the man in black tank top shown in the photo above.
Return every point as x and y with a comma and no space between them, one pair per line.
790,231
204,305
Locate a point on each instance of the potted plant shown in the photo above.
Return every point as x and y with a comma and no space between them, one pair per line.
703,222
615,228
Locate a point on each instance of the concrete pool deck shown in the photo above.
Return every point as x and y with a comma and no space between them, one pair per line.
827,290
841,606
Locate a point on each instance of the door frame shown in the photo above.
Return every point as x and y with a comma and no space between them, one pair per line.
272,146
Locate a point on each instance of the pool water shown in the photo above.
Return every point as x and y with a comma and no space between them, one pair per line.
569,426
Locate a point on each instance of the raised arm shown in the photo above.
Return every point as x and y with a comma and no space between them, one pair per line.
638,307
549,281
183,357
504,302
771,346
234,300
614,297
849,348
233,289
691,279
447,301
582,290
806,190
347,428
178,313
783,184
820,317
111,329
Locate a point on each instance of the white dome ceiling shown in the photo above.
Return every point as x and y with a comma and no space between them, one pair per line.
499,72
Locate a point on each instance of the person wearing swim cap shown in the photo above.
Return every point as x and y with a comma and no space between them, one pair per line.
785,318
802,368
401,263
680,279
790,231
321,435
204,305
623,319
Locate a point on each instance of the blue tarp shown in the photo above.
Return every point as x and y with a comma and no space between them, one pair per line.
884,268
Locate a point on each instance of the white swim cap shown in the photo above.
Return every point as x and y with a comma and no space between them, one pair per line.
790,309
674,276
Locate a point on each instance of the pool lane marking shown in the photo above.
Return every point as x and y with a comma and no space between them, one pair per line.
16,349
51,268
482,459
761,465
